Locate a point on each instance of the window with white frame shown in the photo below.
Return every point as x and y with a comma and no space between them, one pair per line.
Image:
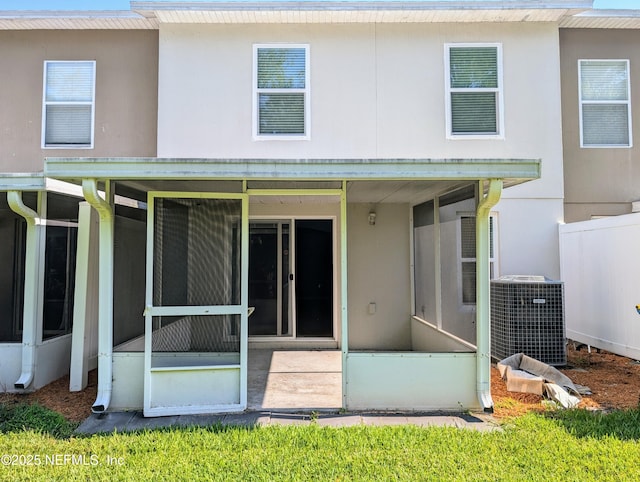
605,103
68,104
281,92
474,91
468,256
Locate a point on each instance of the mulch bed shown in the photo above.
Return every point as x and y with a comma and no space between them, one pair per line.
614,382
74,406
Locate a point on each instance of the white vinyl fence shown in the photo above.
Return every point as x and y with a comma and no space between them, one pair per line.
600,265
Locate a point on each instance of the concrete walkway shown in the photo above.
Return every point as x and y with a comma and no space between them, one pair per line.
132,421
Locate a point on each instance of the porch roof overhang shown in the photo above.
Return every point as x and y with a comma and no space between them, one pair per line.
369,180
18,181
513,171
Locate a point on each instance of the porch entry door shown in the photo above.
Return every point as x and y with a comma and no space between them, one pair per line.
291,278
196,314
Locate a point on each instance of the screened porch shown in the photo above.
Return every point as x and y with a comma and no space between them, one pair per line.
186,347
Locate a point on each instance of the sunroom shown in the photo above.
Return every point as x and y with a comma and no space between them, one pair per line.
213,258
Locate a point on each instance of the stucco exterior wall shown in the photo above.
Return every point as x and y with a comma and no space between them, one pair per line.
126,93
378,267
598,181
377,91
528,237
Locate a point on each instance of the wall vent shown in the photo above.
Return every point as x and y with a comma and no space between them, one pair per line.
527,316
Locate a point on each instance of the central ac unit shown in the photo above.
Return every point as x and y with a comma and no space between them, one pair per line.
527,316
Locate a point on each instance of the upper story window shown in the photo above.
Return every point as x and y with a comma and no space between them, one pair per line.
281,92
605,103
68,104
474,91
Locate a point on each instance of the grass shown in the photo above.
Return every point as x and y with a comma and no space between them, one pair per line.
34,417
567,445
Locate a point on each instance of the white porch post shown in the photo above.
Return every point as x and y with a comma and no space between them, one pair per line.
105,289
85,299
33,281
483,326
344,330
244,299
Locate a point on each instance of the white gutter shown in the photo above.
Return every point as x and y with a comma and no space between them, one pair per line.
29,313
344,293
483,323
105,290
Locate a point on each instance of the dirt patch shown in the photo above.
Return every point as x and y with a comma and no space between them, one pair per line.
614,381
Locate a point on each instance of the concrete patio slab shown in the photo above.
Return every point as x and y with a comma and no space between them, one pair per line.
294,380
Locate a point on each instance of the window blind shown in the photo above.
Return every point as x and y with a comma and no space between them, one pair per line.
68,124
473,67
605,124
604,80
281,113
281,68
474,90
468,237
69,98
604,96
473,112
281,83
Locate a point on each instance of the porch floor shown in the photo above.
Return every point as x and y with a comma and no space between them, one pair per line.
292,380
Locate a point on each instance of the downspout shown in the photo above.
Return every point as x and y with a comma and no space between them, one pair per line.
344,292
105,294
29,313
483,324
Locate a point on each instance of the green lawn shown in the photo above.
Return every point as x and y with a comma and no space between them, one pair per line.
571,445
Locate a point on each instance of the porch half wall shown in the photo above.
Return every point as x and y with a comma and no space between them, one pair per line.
52,362
411,381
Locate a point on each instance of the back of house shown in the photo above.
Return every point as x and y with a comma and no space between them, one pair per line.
286,175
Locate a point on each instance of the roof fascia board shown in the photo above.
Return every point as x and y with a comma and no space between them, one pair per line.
331,5
291,169
68,14
22,181
599,14
603,19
